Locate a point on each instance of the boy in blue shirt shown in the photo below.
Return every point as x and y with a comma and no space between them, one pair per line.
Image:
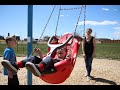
10,55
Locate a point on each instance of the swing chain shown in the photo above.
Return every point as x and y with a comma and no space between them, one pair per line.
46,24
84,20
57,20
44,29
78,20
70,8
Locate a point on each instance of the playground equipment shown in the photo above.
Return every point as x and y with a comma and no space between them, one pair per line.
68,39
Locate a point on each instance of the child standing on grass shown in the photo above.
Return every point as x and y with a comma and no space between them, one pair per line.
10,55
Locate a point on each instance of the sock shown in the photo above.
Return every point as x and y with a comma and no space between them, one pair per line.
19,64
41,66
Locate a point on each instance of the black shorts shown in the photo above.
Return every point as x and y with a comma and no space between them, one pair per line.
13,81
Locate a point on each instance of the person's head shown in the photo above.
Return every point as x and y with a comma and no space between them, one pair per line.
62,52
88,31
11,41
54,40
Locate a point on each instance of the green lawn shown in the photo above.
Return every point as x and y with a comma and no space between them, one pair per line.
110,51
21,49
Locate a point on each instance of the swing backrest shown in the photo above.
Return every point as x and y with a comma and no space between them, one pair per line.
54,47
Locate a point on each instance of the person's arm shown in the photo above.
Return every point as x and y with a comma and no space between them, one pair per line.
68,54
10,74
94,45
83,50
78,37
38,51
7,57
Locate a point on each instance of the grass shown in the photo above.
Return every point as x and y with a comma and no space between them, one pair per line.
108,50
21,49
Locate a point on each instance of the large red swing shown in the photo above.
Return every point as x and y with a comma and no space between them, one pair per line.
64,67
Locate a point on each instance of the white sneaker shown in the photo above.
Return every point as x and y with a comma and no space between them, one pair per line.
30,66
88,78
85,75
9,66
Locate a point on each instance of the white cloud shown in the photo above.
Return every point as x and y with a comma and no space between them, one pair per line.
116,28
117,32
105,9
98,23
61,15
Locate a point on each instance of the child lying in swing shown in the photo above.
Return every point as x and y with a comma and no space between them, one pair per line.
35,64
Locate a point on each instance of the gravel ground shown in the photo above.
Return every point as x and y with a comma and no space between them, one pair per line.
104,72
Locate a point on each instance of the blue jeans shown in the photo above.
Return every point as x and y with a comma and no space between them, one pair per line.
47,61
33,59
88,64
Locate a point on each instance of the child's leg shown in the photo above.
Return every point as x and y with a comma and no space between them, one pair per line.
10,66
36,69
13,81
13,67
46,62
33,59
10,81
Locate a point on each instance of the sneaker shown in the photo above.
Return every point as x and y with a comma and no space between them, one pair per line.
88,78
85,75
33,68
11,67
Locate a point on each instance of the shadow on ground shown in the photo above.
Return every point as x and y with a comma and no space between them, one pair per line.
103,80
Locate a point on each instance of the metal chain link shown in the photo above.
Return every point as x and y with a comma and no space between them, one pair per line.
44,29
78,20
70,8
46,24
84,20
57,21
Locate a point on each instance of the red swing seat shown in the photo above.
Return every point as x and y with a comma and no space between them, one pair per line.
64,67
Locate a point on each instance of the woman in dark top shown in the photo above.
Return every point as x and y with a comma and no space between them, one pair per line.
88,49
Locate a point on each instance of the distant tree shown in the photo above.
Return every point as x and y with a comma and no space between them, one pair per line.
46,38
76,33
2,37
18,38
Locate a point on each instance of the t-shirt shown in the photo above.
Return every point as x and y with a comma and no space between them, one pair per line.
89,47
9,54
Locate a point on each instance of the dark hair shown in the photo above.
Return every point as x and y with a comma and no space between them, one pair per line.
55,38
89,29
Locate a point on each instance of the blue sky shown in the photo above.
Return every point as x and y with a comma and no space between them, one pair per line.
103,19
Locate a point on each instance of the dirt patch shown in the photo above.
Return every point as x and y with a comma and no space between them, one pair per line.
104,72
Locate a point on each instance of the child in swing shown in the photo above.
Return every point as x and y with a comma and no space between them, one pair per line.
37,64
